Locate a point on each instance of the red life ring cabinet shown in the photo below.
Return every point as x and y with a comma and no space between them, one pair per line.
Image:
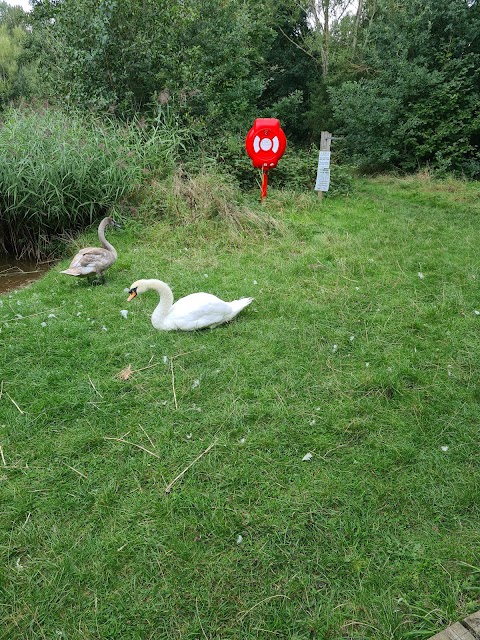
265,144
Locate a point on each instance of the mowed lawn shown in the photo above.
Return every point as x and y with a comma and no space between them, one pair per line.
361,348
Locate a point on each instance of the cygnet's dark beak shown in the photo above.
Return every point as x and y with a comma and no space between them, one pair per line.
116,224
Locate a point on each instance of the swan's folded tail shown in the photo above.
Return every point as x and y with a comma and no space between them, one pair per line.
238,305
72,272
79,271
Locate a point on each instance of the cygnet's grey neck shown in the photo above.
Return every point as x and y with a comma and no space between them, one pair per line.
103,240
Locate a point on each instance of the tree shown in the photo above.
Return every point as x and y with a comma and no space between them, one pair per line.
324,15
17,78
418,100
288,68
326,37
122,54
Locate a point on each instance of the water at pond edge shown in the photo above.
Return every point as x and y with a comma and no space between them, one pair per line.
18,273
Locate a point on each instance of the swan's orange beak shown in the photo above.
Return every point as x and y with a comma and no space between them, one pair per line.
132,295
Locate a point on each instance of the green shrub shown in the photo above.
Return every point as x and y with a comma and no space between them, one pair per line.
297,169
417,105
61,170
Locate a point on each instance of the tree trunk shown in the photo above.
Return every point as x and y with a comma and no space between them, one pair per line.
355,28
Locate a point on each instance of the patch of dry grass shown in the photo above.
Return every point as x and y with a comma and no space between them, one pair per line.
190,199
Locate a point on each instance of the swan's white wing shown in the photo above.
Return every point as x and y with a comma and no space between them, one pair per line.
198,311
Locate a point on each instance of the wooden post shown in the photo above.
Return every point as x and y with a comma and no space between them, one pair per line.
325,140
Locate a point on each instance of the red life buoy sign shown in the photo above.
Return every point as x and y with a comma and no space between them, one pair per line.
265,143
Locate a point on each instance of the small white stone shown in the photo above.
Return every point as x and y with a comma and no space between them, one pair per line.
239,539
312,422
79,313
104,328
255,282
188,436
357,288
420,275
165,359
444,448
44,324
124,313
352,338
52,315
335,348
19,316
367,364
308,456
205,275
196,383
242,440
476,312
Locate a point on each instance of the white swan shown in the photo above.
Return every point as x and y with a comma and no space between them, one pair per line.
95,259
195,311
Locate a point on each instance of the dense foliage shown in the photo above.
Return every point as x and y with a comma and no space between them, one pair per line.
59,170
419,102
17,77
121,55
397,80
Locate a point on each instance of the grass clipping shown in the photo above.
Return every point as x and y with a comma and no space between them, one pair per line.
190,199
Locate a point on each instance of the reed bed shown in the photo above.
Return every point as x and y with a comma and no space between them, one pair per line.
60,170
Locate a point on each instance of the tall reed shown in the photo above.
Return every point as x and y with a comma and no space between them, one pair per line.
60,170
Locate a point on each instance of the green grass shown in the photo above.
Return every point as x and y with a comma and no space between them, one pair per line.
377,536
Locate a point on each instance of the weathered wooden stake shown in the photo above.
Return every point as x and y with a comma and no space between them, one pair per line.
325,141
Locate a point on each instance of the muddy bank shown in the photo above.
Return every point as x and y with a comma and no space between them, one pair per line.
18,273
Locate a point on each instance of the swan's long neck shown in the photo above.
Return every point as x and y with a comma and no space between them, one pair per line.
165,304
103,240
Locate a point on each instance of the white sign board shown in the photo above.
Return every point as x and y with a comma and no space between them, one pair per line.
323,171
